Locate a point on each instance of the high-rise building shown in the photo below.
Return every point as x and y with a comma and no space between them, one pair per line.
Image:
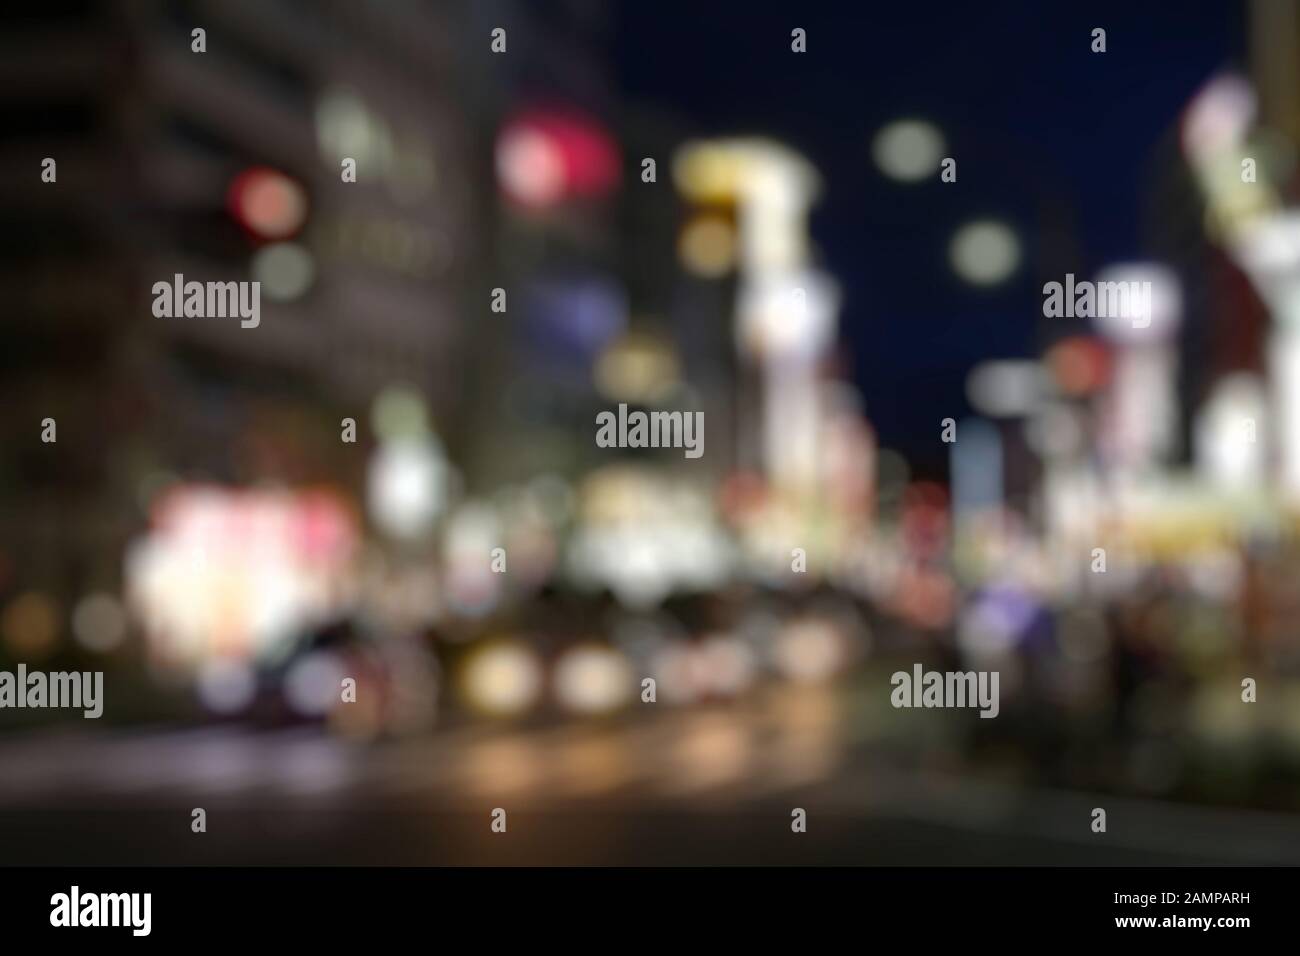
222,156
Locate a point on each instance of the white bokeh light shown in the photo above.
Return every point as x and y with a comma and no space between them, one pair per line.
908,150
984,252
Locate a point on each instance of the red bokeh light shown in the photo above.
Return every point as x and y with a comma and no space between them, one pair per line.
544,157
1080,365
267,203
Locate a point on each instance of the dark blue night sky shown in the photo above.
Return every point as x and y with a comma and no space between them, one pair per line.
1047,135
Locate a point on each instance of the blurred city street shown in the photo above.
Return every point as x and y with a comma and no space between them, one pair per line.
664,430
714,788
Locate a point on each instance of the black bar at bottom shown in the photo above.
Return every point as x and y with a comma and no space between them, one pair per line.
330,905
